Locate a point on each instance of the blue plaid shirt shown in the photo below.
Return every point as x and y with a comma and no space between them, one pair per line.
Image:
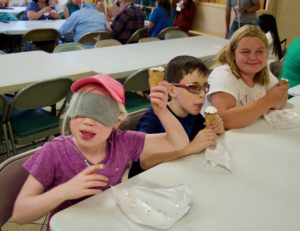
127,22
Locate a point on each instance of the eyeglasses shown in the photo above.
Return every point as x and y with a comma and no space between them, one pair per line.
193,88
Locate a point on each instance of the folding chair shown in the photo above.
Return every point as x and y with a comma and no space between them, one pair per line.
91,38
136,85
140,33
148,39
28,120
4,142
68,47
161,34
40,39
176,34
12,178
107,43
132,120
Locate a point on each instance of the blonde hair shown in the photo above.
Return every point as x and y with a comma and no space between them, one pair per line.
226,55
71,105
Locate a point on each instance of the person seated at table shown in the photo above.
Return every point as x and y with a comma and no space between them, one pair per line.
57,7
96,154
187,76
39,10
241,86
291,63
267,23
161,17
74,5
81,22
185,13
130,19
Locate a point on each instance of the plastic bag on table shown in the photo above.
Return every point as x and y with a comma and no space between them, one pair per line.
154,207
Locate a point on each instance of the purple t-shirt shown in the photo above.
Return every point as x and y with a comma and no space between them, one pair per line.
59,160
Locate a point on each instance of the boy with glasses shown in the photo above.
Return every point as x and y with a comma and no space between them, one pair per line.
187,76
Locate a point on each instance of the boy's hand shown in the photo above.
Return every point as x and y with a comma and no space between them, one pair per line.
204,139
84,183
159,97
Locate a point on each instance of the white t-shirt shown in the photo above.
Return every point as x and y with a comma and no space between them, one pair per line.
221,79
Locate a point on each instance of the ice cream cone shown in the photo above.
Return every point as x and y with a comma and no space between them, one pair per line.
283,81
156,75
210,115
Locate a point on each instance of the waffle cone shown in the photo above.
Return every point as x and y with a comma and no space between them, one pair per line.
208,118
283,81
155,77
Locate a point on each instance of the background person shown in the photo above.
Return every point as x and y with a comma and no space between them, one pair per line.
291,63
130,19
74,5
245,13
81,22
161,17
185,13
40,10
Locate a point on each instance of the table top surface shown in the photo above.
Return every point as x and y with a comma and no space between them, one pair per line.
21,27
294,91
20,69
13,9
261,192
120,61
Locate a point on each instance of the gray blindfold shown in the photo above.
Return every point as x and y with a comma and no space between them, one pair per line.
97,107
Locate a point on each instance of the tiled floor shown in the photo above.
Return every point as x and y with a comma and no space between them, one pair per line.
38,225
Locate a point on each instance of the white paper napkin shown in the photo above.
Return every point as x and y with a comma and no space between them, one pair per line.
284,118
218,156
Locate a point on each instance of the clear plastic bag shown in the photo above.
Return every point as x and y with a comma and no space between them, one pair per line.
154,207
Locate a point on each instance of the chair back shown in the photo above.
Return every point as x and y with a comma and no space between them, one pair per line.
161,34
12,178
138,81
107,43
136,86
47,38
28,120
41,94
148,39
176,34
91,38
68,47
132,120
4,142
140,33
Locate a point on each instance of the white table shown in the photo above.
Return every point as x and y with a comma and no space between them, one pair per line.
19,69
13,10
294,91
261,193
120,61
21,27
